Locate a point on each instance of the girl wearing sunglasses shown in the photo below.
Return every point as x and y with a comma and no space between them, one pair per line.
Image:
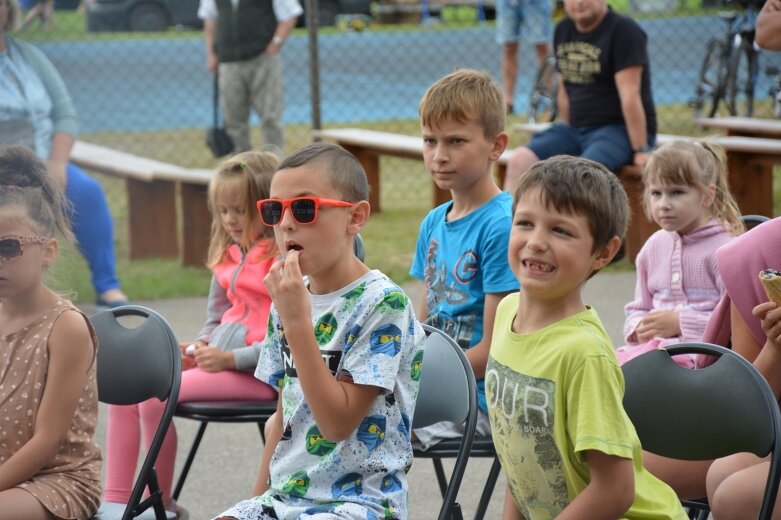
49,464
219,364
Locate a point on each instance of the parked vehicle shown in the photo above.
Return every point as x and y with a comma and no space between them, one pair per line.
158,15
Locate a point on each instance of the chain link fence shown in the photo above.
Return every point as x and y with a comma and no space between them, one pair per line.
149,93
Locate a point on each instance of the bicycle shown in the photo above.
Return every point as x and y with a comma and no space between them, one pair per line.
730,69
542,102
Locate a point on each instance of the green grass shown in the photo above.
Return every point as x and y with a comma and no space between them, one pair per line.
389,236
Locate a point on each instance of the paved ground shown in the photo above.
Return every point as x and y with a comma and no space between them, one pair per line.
225,468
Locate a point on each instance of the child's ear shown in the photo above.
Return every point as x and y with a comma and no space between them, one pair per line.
606,253
500,145
359,216
51,250
710,195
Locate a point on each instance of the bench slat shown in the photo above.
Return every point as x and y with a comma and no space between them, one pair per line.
151,200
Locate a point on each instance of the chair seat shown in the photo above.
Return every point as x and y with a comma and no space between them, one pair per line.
115,510
226,411
448,448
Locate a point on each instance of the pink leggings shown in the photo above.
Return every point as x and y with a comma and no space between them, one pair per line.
126,425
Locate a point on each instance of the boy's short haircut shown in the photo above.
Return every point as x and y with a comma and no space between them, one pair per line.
575,185
343,169
465,96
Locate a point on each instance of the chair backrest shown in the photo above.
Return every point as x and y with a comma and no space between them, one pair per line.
749,221
358,247
136,364
447,392
724,408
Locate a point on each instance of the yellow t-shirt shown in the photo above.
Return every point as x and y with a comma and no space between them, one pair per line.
552,394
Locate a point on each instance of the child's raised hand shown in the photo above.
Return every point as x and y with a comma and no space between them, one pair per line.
769,314
285,284
658,324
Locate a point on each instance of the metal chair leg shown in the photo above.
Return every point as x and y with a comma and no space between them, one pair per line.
488,489
189,461
441,478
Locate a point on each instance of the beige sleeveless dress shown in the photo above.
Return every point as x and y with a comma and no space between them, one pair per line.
69,486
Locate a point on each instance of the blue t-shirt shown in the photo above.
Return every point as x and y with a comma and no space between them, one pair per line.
460,262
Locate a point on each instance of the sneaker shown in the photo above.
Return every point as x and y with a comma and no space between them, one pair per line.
103,305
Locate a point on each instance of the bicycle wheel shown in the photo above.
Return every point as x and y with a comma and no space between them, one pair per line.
542,102
710,86
742,79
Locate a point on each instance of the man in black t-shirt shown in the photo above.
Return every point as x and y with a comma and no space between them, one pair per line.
605,104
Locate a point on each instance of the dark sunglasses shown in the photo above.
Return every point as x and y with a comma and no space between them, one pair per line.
304,209
12,247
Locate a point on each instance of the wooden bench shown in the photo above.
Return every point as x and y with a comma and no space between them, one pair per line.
151,202
750,162
369,145
743,126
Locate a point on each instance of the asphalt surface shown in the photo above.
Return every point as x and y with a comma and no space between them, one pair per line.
227,462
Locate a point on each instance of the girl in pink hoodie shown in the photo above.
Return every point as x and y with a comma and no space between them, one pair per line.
678,283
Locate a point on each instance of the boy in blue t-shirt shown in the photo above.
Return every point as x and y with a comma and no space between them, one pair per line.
461,253
344,346
554,387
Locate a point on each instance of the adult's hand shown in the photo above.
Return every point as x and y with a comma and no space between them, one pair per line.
57,171
212,61
639,159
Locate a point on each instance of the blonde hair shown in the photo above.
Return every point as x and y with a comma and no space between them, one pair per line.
248,174
465,96
698,164
12,15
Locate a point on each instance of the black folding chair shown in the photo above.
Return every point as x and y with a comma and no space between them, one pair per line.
704,414
136,364
448,392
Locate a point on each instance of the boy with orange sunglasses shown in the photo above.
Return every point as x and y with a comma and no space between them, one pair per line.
343,349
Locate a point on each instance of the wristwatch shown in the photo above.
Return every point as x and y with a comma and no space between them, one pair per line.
277,40
642,149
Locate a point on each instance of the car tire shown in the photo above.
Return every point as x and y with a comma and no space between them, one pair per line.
148,17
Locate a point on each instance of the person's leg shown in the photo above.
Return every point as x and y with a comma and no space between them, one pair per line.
31,15
686,477
235,103
268,99
736,485
559,139
18,504
608,145
537,27
196,385
508,21
123,440
94,230
509,73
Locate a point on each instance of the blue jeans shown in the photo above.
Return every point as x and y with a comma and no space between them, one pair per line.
608,144
93,227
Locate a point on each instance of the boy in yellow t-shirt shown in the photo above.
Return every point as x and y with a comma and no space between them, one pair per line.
553,384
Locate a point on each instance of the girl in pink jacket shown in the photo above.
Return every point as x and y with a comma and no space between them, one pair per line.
678,284
220,363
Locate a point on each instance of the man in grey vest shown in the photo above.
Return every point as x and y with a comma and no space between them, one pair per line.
243,40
